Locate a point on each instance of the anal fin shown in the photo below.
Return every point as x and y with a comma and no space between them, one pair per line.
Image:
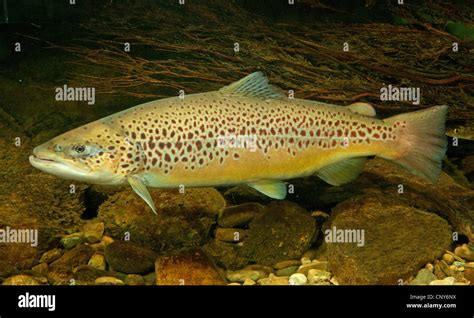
275,189
140,188
343,171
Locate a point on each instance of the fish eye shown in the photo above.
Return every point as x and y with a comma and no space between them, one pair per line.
58,148
456,130
79,148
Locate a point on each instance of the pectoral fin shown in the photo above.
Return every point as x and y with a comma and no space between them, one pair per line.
343,171
273,188
140,188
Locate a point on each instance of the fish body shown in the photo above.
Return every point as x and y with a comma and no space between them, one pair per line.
246,133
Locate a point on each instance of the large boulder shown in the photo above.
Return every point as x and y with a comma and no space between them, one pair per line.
183,221
282,231
398,240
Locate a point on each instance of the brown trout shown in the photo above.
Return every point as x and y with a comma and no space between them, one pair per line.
246,133
462,132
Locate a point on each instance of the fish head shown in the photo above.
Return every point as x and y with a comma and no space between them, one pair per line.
462,132
90,153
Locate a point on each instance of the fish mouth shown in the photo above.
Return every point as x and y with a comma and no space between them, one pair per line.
36,159
52,166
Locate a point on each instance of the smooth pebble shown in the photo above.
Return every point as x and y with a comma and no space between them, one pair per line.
297,279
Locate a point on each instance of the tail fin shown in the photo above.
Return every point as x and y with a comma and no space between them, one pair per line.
422,143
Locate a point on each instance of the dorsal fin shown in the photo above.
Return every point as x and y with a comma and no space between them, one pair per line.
254,85
364,109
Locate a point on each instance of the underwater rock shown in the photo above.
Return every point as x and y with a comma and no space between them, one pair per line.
183,221
230,235
318,276
188,268
41,268
287,271
104,242
437,271
241,275
297,279
445,268
272,227
258,267
319,265
108,280
134,280
405,236
273,280
239,215
87,274
445,197
150,279
444,282
249,282
469,274
287,263
225,254
97,261
448,258
465,252
424,277
72,240
93,231
21,280
77,256
60,275
282,231
129,258
61,270
51,255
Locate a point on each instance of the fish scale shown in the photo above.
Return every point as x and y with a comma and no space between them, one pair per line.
191,141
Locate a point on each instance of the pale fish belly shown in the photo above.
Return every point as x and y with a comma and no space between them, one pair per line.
215,139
